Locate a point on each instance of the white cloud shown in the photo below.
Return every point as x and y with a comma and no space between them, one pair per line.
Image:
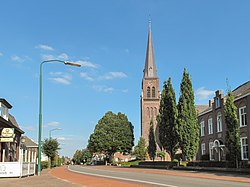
48,57
113,75
63,138
86,76
202,93
103,88
86,63
53,124
20,59
61,78
45,47
28,128
63,56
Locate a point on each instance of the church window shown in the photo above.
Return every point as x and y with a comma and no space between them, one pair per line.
153,92
152,112
148,92
148,112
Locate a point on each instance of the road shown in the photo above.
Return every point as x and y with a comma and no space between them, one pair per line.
163,177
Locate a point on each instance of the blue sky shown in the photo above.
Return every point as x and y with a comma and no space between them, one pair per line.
210,38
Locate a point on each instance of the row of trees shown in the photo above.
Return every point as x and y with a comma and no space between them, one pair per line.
178,123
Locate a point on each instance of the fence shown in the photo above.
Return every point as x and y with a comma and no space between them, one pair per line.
25,166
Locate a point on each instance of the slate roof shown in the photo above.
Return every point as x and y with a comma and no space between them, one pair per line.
29,143
201,108
242,89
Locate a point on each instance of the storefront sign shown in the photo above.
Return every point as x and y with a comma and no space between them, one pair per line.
7,133
6,139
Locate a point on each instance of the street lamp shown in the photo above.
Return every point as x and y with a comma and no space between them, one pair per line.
53,130
40,108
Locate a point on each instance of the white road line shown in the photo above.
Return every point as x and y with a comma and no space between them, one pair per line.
120,178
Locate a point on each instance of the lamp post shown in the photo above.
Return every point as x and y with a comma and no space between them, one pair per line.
40,108
53,130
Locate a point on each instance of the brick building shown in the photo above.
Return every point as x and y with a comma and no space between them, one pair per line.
213,127
150,97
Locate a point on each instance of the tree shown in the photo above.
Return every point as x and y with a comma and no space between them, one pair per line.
86,156
113,133
233,129
188,127
78,157
151,142
49,148
140,149
167,119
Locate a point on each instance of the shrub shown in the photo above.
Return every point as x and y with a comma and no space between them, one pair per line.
44,165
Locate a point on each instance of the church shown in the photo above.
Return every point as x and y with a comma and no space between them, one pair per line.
150,96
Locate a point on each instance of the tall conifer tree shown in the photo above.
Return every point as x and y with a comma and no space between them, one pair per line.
188,127
168,119
151,142
233,130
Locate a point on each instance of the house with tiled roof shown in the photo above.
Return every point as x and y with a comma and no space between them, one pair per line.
10,134
213,127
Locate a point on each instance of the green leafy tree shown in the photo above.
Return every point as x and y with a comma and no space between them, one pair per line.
233,129
188,127
78,157
151,142
86,156
49,148
140,149
113,133
167,119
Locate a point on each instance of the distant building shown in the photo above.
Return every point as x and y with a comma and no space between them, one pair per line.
30,145
10,134
213,127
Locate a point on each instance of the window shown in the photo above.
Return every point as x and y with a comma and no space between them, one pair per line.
152,112
153,92
203,149
211,151
217,102
3,111
202,128
155,111
210,125
244,148
148,112
219,122
243,116
148,92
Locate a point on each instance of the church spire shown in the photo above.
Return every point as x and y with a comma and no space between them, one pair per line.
150,67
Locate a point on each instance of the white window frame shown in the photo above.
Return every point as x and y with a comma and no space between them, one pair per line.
244,148
203,149
217,102
243,114
211,151
210,125
219,122
202,128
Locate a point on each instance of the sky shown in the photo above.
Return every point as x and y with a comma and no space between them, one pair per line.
108,38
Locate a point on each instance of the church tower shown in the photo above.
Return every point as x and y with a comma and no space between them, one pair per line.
150,98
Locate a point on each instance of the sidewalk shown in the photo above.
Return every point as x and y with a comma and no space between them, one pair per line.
44,180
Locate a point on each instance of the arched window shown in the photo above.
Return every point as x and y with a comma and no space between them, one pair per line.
148,92
153,92
152,112
148,112
219,122
155,111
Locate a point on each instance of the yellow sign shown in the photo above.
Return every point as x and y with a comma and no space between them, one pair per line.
6,139
8,132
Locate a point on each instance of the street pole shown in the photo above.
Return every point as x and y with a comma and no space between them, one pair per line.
40,109
53,130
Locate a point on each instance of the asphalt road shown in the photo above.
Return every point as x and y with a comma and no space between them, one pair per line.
154,179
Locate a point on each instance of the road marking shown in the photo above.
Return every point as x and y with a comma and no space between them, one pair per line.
121,178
